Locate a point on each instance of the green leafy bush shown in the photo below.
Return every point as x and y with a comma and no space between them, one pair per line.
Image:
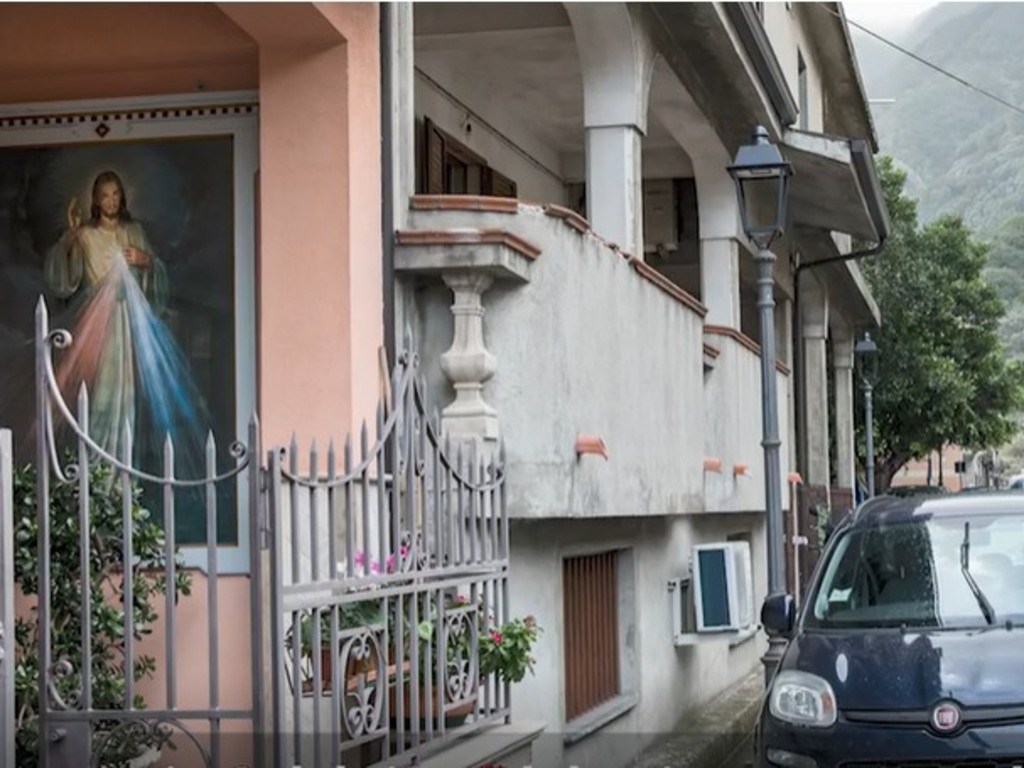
106,580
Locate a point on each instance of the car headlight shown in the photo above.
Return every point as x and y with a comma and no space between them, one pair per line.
802,699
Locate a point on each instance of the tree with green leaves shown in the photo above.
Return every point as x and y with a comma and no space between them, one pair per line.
943,373
1005,270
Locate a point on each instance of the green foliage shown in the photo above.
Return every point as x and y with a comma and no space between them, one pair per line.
1005,271
507,650
106,579
943,374
964,152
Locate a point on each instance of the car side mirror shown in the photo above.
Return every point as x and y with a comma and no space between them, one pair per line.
778,614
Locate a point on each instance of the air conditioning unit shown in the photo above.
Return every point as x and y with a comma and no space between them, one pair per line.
723,587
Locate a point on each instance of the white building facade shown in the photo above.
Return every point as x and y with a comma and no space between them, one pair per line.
570,265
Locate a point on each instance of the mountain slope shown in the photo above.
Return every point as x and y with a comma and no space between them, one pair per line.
963,152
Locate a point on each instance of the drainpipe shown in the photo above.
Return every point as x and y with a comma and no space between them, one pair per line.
387,163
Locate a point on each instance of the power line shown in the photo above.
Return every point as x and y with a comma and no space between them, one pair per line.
922,60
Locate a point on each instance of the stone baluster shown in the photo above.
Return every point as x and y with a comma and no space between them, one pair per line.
467,363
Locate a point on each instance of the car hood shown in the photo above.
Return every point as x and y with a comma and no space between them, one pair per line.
895,670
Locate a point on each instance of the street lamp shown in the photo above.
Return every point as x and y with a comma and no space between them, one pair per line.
761,175
866,352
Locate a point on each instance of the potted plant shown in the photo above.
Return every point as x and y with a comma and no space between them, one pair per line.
121,747
506,650
363,613
457,664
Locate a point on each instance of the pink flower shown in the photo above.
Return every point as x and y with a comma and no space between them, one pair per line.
360,558
390,563
496,636
374,567
403,551
462,599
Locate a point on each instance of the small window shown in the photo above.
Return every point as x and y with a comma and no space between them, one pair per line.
591,621
449,167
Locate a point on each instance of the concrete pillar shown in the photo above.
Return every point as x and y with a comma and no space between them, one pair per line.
717,206
403,110
319,122
617,60
842,363
614,185
720,279
814,333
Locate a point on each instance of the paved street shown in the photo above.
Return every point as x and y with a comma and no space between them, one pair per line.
743,757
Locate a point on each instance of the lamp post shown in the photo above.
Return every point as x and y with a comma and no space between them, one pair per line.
866,352
761,175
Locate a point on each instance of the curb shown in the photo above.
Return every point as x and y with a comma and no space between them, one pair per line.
710,735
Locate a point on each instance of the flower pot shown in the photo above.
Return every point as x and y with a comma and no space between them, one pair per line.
454,714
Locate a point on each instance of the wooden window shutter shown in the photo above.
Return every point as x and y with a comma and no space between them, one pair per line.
499,185
434,159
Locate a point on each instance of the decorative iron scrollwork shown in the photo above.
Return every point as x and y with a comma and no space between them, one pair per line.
461,654
362,705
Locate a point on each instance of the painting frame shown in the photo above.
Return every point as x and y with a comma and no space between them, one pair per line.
160,119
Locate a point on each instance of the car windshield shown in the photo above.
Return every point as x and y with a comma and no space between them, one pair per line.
953,571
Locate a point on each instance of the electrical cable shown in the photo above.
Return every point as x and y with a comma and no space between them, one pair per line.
922,60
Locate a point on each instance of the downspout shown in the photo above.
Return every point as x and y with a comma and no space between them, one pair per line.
387,182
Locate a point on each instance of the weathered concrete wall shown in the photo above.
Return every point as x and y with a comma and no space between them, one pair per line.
587,346
670,681
732,399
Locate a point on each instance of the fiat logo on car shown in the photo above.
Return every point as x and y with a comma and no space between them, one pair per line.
946,717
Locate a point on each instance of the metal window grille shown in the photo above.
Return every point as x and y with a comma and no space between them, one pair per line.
590,585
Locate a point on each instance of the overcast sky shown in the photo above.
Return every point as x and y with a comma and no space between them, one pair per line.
883,15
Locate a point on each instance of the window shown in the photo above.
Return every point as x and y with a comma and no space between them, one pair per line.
801,78
449,167
591,620
944,571
672,231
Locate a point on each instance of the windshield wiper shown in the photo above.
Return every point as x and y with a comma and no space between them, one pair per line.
965,569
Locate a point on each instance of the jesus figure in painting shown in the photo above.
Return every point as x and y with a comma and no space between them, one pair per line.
106,266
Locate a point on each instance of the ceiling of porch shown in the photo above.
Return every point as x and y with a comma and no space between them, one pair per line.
516,65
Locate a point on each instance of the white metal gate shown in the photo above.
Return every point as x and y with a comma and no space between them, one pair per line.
389,560
374,571
91,660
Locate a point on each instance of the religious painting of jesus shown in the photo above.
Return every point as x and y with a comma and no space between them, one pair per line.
131,244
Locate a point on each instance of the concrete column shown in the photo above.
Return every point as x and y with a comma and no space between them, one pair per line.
717,206
614,185
403,110
784,334
617,61
814,333
720,279
842,362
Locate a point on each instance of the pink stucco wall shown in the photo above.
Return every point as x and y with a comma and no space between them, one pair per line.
319,279
320,294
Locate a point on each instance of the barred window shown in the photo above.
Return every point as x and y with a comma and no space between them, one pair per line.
591,621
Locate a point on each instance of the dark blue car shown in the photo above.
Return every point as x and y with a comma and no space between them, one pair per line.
910,648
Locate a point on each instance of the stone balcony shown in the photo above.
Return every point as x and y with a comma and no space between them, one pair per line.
595,370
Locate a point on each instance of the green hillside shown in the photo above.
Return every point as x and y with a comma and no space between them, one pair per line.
964,153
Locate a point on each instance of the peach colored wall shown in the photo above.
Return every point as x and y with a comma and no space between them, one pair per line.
64,51
192,665
320,279
319,301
